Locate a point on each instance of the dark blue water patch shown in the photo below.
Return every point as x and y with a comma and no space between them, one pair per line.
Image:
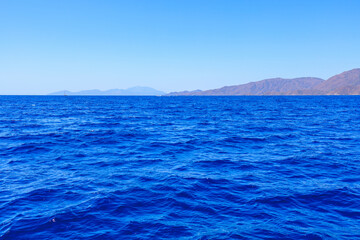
179,167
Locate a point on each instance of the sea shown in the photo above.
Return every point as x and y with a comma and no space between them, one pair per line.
241,167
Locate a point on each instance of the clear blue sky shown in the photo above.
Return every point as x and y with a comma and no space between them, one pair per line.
171,45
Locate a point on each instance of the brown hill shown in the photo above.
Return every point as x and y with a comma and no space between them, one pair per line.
273,86
346,83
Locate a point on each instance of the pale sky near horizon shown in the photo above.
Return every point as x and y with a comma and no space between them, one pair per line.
172,45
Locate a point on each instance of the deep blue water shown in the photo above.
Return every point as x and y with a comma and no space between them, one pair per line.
179,167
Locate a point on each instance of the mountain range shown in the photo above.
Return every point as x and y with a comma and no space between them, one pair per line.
134,91
346,83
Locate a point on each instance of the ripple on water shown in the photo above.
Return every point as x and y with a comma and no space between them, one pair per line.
179,167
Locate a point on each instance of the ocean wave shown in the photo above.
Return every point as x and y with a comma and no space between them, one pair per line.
179,168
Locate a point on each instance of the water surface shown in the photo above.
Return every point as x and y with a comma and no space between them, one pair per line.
179,167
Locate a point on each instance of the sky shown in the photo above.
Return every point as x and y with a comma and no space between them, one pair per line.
172,45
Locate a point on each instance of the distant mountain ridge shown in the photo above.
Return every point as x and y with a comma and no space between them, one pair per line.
134,91
346,83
